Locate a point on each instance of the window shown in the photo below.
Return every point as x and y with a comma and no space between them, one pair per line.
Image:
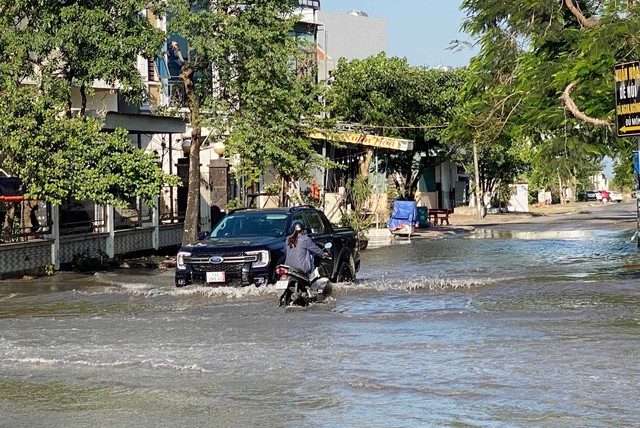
297,217
314,223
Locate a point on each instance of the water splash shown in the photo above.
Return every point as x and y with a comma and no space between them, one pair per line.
437,282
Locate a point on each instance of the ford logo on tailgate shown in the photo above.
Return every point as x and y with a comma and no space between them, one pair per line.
216,259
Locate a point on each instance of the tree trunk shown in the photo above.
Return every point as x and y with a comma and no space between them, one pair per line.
479,197
366,162
192,215
284,185
68,103
83,100
7,227
29,218
561,190
294,189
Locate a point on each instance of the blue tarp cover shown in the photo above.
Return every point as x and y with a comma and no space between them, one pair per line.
404,213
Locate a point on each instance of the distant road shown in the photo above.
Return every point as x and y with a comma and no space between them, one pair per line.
583,216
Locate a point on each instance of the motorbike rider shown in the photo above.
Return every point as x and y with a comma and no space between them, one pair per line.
300,249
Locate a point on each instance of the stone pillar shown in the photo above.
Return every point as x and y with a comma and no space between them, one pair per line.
218,185
155,219
182,168
55,236
111,230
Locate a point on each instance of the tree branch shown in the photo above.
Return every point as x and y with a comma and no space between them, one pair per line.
585,23
176,49
573,108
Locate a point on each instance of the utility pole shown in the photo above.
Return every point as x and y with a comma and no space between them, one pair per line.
479,197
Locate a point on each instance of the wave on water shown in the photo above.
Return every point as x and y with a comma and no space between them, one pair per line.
372,386
8,296
146,364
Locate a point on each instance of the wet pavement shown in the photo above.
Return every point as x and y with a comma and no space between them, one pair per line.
513,323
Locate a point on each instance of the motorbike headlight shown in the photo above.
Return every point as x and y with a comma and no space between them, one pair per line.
180,264
263,258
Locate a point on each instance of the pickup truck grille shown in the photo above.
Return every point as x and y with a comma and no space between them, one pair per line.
221,262
207,267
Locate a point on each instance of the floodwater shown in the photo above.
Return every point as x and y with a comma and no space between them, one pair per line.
491,329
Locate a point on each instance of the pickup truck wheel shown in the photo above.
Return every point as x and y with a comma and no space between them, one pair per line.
346,272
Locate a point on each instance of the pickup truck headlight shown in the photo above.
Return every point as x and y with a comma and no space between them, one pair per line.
263,258
180,260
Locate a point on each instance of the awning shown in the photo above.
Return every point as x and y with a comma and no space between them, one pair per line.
11,198
144,123
365,140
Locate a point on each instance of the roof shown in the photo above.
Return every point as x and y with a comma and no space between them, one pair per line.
283,210
144,123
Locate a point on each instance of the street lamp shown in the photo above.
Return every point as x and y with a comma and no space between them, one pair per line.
219,148
186,146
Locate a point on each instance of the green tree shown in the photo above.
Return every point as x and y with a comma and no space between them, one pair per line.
388,97
49,47
236,66
61,45
545,68
58,157
278,105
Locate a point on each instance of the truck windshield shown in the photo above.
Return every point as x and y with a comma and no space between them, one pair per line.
250,224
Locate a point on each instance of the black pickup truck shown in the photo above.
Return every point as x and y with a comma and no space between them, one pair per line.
247,244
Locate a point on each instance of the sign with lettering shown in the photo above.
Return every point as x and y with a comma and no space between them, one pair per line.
627,78
366,140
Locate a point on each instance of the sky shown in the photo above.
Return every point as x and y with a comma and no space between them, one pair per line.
419,30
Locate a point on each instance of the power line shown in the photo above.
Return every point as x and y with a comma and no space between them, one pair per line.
411,127
356,127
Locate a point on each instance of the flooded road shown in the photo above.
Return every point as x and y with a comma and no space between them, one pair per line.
532,324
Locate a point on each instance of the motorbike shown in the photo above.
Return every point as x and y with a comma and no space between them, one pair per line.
295,288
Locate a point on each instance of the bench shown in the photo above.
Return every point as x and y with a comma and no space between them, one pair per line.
439,215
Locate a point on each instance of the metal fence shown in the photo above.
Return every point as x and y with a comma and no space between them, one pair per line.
24,221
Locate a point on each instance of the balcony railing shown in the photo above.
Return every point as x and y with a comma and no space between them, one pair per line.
24,221
177,95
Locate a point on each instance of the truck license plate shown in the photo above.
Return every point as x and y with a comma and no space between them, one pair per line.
216,277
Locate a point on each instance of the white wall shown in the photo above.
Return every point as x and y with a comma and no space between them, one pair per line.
352,37
519,201
103,100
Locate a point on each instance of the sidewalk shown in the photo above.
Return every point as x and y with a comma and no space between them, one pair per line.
465,220
468,216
